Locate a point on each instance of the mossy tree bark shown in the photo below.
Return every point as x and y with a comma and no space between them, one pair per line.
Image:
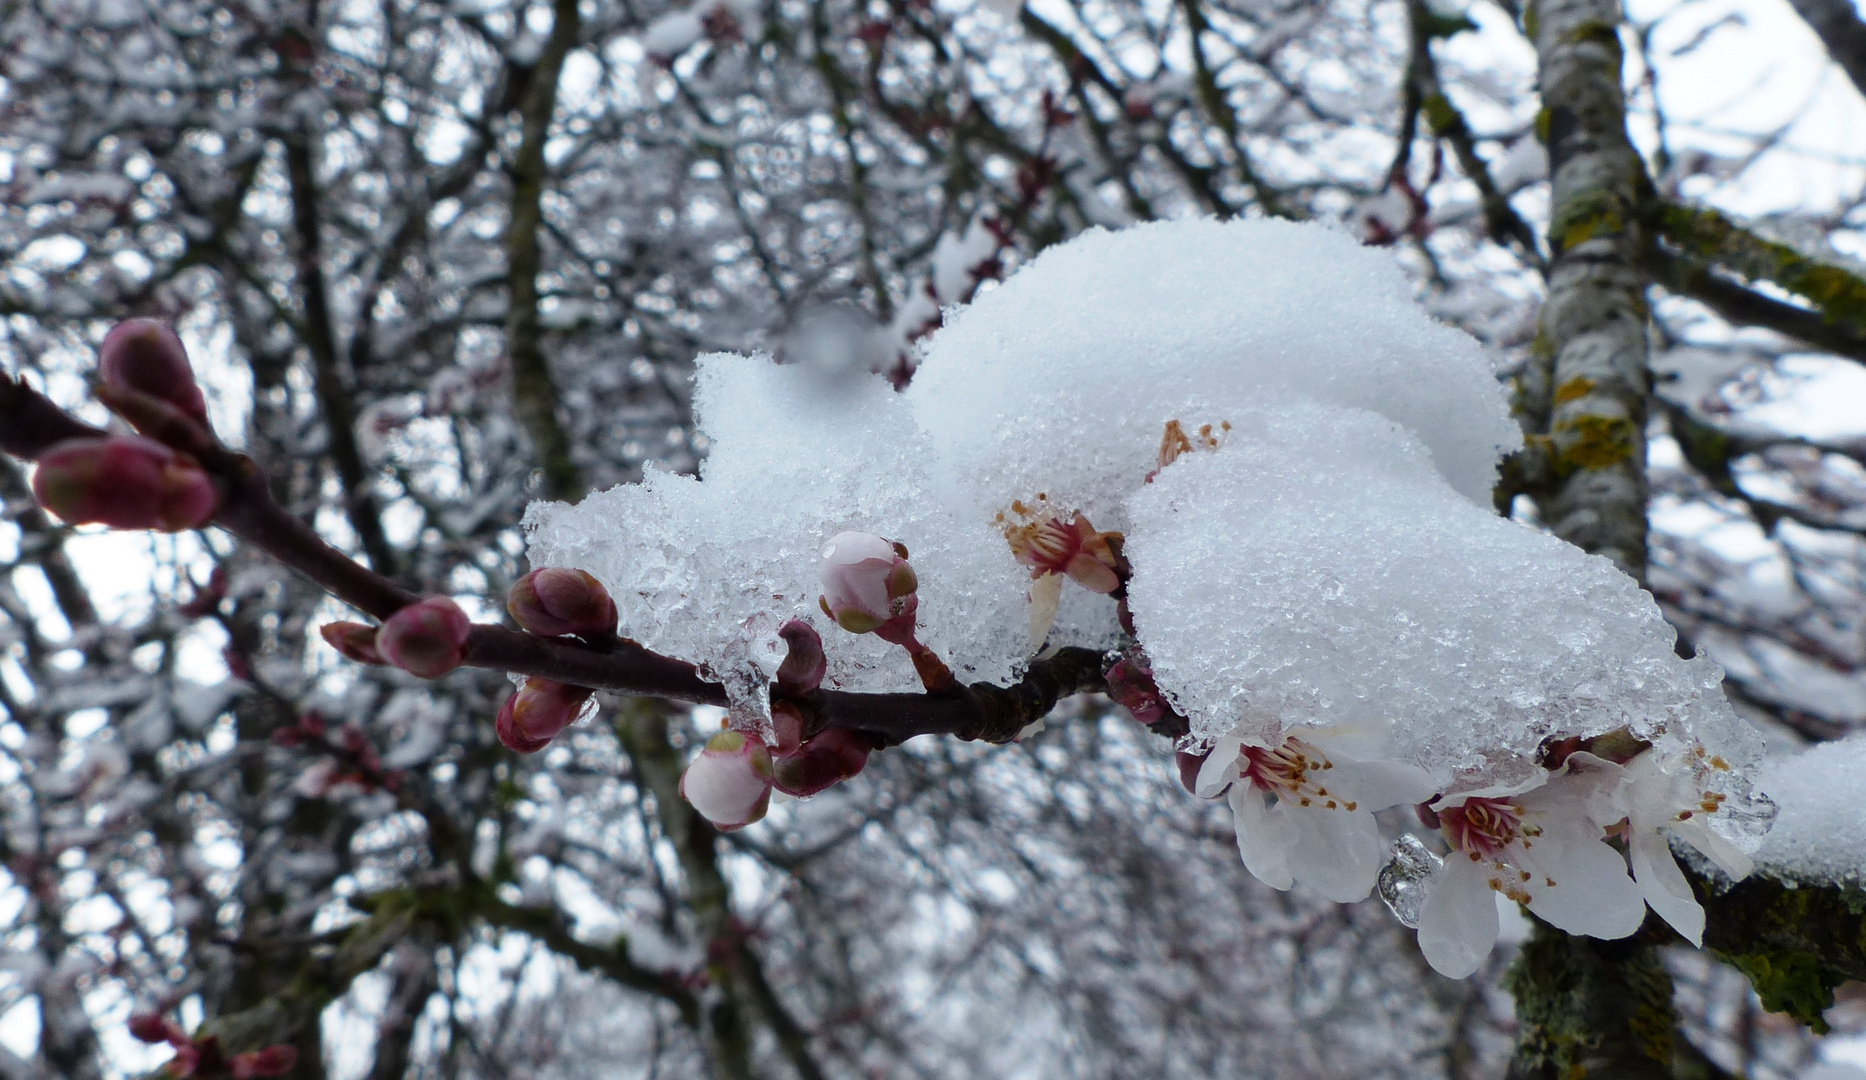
1591,344
1591,1008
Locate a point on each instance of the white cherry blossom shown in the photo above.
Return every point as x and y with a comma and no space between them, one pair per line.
1305,814
1537,843
1650,800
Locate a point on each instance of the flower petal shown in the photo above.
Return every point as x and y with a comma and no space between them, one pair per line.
1220,768
1729,858
1335,852
1664,884
1458,923
1376,785
1263,838
1590,893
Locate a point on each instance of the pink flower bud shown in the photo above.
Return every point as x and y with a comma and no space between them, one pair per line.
125,482
353,641
730,782
150,1028
833,756
145,355
804,665
866,582
555,601
1131,685
537,711
426,638
274,1060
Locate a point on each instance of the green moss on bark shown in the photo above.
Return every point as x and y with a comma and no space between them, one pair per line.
1709,237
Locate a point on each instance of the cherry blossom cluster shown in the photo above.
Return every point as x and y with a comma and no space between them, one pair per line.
1583,839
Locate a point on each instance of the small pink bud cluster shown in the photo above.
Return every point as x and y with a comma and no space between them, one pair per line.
537,712
202,1056
552,602
731,781
868,587
803,767
427,638
125,482
555,601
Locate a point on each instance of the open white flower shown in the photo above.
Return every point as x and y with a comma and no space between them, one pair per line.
1537,843
1653,800
1306,814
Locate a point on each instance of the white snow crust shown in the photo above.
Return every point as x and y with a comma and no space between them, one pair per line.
1318,571
1332,564
1820,825
1061,380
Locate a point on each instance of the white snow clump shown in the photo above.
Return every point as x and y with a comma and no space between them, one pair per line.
1820,832
1316,574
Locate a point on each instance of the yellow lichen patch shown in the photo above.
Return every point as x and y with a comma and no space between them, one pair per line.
1578,387
1593,442
1587,228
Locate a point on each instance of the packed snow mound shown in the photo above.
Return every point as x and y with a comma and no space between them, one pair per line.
1325,559
1317,571
1820,828
1060,380
707,570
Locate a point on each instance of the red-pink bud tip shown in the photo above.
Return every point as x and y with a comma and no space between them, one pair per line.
125,482
353,641
805,664
729,783
426,638
150,1028
833,756
557,600
146,356
1131,685
536,712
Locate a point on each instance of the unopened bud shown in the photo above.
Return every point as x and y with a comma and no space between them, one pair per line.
557,600
274,1060
146,356
150,1028
730,782
833,756
537,712
353,641
1131,685
426,638
804,665
867,582
125,482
